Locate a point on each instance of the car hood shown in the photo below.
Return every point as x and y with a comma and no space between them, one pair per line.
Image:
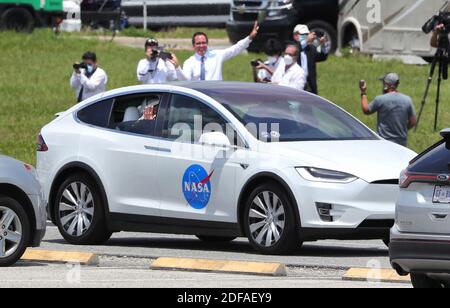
372,160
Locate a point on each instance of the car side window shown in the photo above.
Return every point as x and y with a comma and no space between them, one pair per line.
136,114
96,114
188,118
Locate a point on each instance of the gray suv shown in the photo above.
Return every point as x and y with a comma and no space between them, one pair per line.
22,210
420,239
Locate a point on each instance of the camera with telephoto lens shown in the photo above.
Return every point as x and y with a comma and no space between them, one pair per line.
78,66
256,63
442,18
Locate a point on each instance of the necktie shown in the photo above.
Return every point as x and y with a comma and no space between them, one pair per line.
202,69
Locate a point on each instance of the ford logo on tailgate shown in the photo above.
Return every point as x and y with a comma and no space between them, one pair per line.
443,177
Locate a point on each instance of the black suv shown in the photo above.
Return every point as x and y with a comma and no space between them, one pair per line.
281,16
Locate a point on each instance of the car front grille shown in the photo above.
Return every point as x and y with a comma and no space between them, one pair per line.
245,17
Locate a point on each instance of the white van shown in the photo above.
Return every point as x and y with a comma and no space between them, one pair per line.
387,27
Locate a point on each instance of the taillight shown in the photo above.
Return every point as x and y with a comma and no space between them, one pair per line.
40,144
403,179
406,178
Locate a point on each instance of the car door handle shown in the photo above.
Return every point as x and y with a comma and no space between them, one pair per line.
157,149
438,216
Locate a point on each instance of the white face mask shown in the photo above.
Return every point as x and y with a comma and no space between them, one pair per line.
288,60
272,60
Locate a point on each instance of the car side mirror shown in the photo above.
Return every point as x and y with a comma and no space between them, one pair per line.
217,139
446,135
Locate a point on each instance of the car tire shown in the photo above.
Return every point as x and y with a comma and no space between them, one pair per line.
329,30
215,239
422,281
18,19
18,225
79,211
280,217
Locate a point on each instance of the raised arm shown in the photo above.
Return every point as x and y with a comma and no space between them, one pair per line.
240,46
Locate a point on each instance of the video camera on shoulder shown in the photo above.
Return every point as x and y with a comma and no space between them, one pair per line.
442,18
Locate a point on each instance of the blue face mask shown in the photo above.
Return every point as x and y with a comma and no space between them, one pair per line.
303,41
90,69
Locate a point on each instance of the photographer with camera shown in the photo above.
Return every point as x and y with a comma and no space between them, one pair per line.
310,54
263,71
396,112
289,73
158,66
88,79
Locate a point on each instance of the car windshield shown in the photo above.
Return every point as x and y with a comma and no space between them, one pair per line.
291,116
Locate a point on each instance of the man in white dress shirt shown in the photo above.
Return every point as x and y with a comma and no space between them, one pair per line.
206,64
88,81
290,74
153,69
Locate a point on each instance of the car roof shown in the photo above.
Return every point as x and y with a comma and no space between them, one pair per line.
224,87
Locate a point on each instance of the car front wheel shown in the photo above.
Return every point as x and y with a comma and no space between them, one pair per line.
15,231
79,212
270,223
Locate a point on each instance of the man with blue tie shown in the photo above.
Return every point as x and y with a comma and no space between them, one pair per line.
207,65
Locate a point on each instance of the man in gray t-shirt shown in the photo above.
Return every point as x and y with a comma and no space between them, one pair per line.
396,113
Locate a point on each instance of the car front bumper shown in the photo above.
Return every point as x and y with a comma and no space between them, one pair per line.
280,29
358,210
40,210
419,253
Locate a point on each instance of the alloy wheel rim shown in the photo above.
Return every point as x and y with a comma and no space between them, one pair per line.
76,209
10,232
266,219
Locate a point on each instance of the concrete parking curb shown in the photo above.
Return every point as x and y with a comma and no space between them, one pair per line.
81,258
220,266
375,275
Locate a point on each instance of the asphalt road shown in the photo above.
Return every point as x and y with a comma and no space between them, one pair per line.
125,262
329,254
122,272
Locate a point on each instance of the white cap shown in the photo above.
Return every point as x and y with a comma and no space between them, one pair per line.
301,29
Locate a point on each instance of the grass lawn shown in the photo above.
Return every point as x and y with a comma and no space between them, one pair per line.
173,32
34,84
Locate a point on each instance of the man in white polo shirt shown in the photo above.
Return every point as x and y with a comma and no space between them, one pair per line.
290,74
206,64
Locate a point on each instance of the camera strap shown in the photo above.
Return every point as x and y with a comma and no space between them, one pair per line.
155,70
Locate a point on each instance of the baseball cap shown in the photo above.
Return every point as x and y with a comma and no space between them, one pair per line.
390,78
151,42
301,29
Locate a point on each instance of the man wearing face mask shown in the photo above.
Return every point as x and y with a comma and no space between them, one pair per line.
290,74
88,79
310,54
273,50
396,113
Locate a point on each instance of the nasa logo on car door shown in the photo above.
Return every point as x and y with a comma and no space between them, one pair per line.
196,186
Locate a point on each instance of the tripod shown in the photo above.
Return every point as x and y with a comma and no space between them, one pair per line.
441,58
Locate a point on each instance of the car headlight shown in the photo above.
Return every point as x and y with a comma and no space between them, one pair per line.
325,176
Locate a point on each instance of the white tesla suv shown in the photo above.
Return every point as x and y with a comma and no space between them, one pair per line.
218,160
